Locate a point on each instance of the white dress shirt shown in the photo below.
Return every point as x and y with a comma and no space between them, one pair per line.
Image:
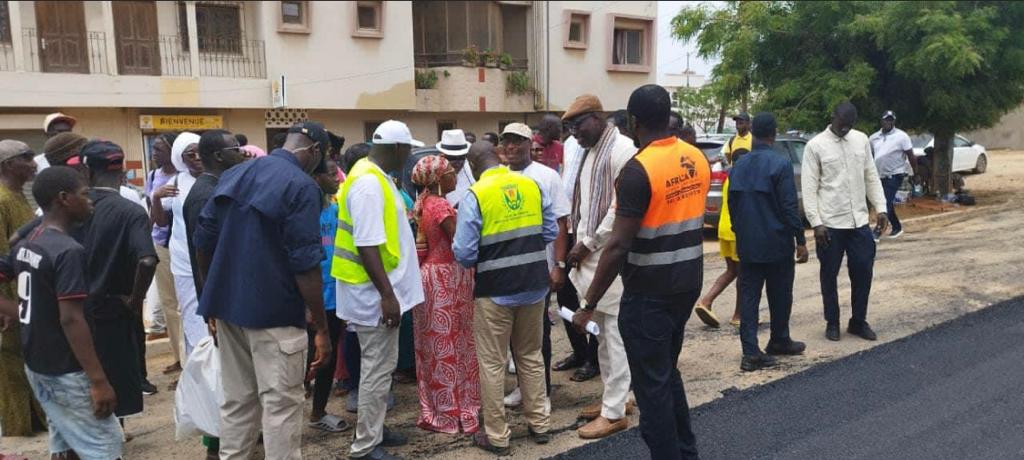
837,174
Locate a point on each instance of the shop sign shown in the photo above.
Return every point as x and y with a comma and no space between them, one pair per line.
180,122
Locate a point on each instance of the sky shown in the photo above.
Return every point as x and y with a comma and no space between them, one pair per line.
671,52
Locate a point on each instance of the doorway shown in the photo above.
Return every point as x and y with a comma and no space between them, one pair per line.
62,37
135,31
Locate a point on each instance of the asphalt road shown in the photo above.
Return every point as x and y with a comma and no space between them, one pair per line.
950,392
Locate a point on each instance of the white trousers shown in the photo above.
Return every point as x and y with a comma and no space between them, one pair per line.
611,354
192,325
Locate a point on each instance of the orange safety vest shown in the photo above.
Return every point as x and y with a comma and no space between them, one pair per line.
668,248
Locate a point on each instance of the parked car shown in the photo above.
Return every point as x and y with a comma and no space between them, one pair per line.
791,147
968,157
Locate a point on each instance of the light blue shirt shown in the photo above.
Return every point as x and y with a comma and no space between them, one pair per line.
467,242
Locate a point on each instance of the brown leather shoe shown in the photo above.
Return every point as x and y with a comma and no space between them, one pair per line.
601,427
594,410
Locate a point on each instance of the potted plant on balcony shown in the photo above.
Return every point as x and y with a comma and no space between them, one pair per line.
426,79
517,82
505,61
490,59
470,56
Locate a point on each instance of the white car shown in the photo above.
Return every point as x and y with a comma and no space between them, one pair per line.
967,156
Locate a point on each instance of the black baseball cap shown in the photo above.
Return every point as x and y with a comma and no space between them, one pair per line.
100,155
889,114
314,131
742,116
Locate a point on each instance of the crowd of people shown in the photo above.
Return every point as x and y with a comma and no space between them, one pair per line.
306,266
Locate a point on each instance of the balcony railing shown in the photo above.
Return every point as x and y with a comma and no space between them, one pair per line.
217,58
232,58
65,56
455,59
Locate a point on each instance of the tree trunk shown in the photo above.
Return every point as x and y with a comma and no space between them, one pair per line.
942,162
721,119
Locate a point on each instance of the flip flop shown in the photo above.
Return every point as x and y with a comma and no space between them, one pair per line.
707,316
330,424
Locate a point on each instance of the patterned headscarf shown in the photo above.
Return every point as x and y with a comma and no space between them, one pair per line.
429,170
427,174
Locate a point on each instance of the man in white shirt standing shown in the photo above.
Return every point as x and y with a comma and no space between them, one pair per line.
607,152
516,138
838,172
894,157
378,278
454,146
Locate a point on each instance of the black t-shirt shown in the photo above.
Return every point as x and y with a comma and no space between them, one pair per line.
115,237
632,191
201,192
48,266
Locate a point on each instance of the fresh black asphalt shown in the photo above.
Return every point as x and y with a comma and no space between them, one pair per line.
954,391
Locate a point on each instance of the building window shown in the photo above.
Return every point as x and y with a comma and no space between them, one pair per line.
444,125
294,17
631,44
369,127
577,29
369,19
5,23
218,26
443,31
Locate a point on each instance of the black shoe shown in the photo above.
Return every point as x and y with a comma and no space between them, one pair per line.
752,363
393,439
584,373
378,454
540,438
861,329
789,347
148,389
832,332
570,362
480,440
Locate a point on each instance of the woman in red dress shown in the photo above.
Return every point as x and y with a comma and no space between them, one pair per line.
446,364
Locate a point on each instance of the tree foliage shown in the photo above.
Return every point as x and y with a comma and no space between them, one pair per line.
943,66
699,106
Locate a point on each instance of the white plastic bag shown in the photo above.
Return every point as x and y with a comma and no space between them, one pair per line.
199,395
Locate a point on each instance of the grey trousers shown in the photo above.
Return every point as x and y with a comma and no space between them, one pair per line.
378,360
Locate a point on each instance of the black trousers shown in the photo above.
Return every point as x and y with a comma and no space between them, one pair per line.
858,245
140,343
324,378
777,279
583,345
652,333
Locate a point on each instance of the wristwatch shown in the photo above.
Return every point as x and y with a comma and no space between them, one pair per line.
590,307
560,264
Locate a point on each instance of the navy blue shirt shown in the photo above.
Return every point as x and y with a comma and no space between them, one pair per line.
262,226
763,206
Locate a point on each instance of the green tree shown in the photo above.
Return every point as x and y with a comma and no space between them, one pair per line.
943,66
699,106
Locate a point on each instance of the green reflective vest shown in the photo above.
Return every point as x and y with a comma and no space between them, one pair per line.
347,266
512,257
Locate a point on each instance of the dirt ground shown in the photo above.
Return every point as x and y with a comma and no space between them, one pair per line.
946,264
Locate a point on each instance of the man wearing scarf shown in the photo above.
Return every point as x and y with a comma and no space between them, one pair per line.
606,153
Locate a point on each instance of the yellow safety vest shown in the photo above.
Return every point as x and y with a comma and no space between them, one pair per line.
512,258
347,266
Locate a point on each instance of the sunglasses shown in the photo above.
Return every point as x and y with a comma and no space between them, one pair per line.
573,125
513,140
237,149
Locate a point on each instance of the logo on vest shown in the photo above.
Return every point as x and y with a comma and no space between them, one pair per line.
513,199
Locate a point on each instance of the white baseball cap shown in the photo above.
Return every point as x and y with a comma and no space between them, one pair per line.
394,132
519,129
58,117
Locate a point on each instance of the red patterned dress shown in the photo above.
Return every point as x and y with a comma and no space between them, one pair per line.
446,364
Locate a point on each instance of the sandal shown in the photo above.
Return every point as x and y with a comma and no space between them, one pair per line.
331,424
707,316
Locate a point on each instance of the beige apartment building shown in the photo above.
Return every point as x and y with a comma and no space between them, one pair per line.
127,70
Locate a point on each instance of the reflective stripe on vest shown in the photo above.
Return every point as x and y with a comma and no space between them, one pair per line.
512,257
669,241
346,264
